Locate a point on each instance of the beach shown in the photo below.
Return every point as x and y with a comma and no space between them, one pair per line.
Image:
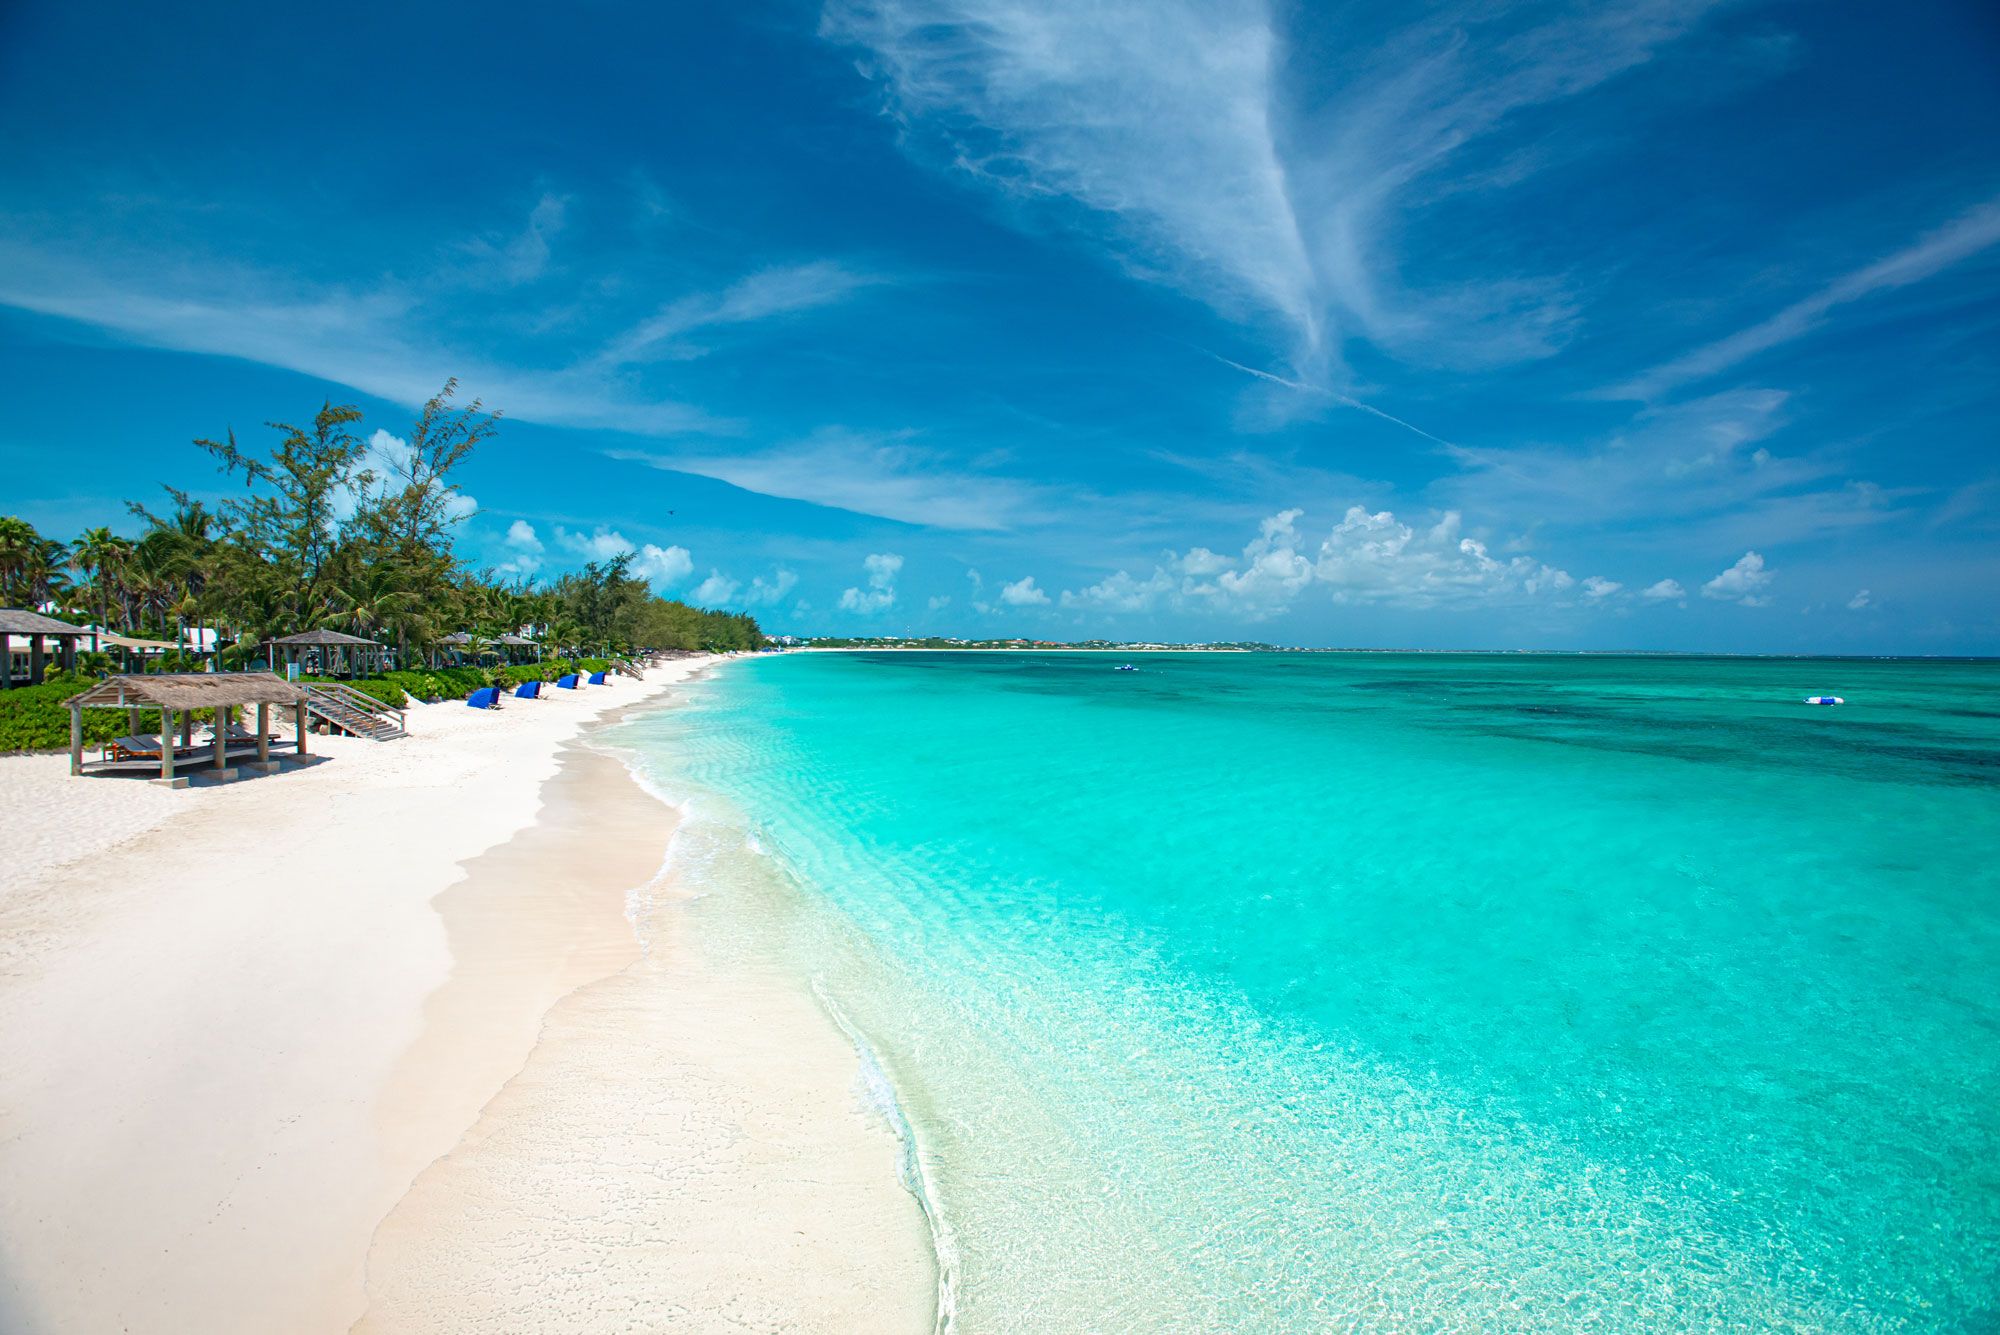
373,1044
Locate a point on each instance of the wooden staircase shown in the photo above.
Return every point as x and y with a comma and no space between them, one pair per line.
349,711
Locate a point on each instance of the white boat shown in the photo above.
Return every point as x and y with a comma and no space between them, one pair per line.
1125,667
1824,700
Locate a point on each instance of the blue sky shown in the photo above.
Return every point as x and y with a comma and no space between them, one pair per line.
1669,324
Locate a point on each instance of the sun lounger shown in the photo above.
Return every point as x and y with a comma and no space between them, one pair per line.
567,682
135,748
528,690
486,697
597,679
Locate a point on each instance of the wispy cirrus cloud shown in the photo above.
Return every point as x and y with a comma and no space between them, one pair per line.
1958,240
889,476
1702,466
376,338
1173,121
780,290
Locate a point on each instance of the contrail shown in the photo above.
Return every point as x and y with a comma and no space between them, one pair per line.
1336,396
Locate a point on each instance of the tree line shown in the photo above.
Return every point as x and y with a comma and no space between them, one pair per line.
324,532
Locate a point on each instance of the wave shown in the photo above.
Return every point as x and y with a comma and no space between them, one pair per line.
880,1092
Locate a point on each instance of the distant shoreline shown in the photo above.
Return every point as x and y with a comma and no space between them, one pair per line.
1427,653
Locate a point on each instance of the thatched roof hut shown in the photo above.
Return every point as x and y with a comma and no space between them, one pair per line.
37,630
328,651
175,695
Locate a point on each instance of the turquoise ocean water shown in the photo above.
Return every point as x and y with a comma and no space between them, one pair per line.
1392,992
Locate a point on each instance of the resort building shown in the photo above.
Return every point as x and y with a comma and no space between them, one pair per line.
25,642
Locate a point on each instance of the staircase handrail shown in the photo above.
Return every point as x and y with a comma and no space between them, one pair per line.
359,701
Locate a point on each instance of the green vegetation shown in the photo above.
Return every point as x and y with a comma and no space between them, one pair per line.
36,718
326,531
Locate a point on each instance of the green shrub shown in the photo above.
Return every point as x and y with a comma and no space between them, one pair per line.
35,718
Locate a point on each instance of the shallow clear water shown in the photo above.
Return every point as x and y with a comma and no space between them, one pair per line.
1395,992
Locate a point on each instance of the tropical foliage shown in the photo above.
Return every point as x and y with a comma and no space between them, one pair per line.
324,529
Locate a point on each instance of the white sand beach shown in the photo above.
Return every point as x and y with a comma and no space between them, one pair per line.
370,1044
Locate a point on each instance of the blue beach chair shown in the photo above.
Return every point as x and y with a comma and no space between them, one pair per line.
486,697
568,682
528,690
597,679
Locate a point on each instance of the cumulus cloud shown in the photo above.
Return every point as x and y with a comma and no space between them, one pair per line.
716,590
524,549
1376,558
880,591
765,592
1365,558
1665,589
1122,593
386,465
940,602
661,567
1023,593
1859,601
1596,586
1743,582
601,545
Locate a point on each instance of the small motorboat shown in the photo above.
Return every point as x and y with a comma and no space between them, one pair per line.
1824,700
1125,667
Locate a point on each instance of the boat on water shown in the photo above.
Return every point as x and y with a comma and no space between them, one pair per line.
1125,667
1825,700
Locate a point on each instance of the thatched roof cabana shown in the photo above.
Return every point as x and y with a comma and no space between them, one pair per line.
37,630
175,695
329,651
507,646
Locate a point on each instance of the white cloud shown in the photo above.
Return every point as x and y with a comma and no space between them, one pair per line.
523,257
779,290
1169,120
1665,589
1960,239
1365,558
1596,586
887,476
1743,582
1699,463
1271,571
1859,601
1377,558
1122,593
939,602
768,592
714,591
880,593
601,545
661,567
1023,593
379,339
524,548
384,466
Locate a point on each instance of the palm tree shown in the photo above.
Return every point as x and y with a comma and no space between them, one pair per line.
98,556
371,596
19,545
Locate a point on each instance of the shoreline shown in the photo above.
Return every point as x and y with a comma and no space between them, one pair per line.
253,1025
